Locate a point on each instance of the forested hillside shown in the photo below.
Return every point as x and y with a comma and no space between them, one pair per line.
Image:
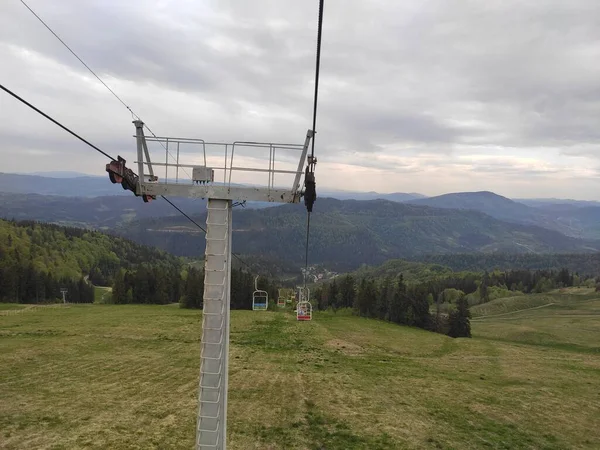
586,264
102,212
410,270
486,202
37,259
431,296
426,267
346,234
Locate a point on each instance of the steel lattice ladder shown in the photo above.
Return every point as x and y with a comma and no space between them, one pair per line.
212,408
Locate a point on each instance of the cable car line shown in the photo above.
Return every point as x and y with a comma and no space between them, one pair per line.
318,66
200,226
22,100
309,180
310,193
100,80
54,121
80,60
126,106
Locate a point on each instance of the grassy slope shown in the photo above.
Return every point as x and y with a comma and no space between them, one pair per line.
116,377
507,306
10,306
102,294
511,305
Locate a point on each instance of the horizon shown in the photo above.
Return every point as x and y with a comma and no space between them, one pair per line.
74,174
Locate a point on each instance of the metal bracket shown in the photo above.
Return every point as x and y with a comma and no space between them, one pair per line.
118,172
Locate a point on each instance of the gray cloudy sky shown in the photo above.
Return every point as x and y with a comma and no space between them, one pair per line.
416,96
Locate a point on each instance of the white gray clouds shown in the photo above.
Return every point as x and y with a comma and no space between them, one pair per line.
434,96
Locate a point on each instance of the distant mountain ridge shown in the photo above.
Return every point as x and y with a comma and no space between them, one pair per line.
345,234
103,212
74,203
573,218
484,201
74,184
61,174
351,195
544,202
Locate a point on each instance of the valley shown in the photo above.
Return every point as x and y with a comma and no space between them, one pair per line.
347,233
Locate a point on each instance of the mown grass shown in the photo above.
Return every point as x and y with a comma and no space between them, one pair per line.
508,305
504,306
568,321
10,306
104,376
102,294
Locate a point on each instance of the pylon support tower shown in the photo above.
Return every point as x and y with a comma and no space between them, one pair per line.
211,430
64,291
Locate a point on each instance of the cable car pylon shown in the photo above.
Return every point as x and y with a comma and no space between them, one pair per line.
214,356
211,425
212,412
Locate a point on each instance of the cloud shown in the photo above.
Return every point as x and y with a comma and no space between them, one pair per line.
440,96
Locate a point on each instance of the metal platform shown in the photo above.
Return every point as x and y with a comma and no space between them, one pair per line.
219,170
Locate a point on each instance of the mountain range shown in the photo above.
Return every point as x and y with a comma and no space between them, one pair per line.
102,212
344,233
74,184
347,233
573,218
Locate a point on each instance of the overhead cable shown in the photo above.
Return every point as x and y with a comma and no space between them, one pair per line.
22,100
312,161
100,80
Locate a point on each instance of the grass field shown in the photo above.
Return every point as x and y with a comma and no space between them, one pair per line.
125,377
10,306
102,294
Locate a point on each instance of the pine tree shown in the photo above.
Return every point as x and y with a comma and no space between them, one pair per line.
420,307
361,302
119,288
460,325
381,304
484,294
330,295
194,289
397,311
347,292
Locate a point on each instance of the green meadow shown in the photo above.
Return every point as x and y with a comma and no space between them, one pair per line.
125,377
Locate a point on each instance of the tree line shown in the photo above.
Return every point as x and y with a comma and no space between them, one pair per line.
419,304
585,264
156,285
390,298
20,282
